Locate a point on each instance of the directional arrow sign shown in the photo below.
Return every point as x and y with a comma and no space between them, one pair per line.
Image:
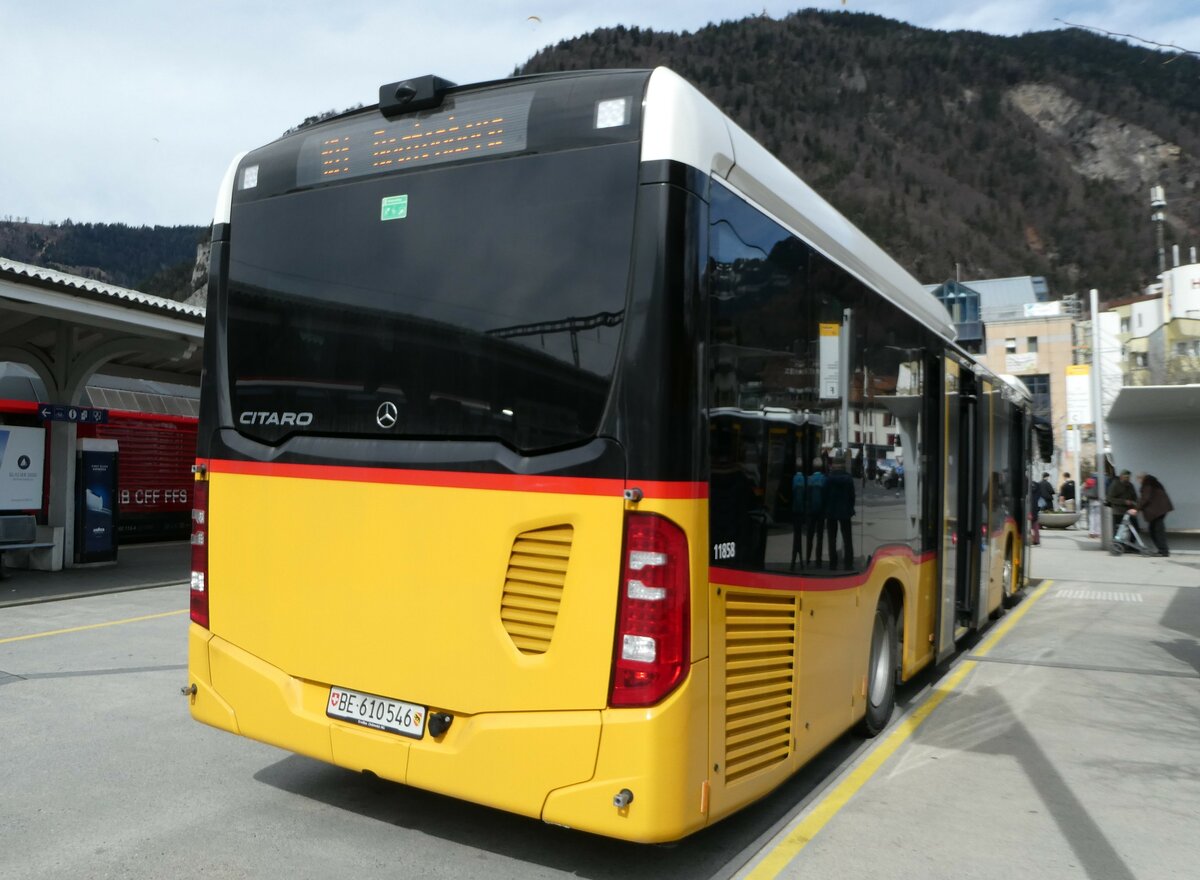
82,414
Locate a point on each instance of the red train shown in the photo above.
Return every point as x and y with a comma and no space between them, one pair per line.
154,468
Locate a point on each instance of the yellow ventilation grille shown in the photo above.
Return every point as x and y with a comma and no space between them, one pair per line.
537,570
760,652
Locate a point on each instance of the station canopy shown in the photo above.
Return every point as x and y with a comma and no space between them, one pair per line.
65,329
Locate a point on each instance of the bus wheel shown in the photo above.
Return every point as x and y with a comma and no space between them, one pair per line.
1009,574
881,673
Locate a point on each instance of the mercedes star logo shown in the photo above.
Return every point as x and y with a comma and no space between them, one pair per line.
386,415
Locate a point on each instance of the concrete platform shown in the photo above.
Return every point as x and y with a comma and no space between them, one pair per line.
138,567
1065,745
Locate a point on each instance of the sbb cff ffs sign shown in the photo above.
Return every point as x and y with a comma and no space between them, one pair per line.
153,497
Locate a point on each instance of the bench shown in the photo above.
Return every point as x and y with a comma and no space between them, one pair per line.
19,532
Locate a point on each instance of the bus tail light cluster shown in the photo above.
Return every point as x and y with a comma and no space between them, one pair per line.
200,553
653,644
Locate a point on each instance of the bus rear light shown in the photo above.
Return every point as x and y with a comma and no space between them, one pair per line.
200,554
653,643
637,590
640,649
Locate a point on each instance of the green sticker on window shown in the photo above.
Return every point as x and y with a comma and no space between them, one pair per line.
393,208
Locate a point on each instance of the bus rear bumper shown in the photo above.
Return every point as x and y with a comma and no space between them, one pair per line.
510,761
206,704
659,755
563,767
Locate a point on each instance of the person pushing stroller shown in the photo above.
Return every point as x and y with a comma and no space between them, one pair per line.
1121,499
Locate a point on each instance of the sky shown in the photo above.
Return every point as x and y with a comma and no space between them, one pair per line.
130,111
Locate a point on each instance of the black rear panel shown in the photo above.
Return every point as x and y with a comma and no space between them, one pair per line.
491,309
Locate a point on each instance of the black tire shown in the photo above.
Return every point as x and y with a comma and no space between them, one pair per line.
881,669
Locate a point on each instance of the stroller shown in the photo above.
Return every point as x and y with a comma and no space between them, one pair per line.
1127,539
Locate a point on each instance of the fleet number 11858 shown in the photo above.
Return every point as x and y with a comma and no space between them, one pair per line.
727,550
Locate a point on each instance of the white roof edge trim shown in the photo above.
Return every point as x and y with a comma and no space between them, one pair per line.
680,124
774,188
225,194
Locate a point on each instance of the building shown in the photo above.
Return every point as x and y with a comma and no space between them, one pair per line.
963,304
1037,347
1011,325
974,304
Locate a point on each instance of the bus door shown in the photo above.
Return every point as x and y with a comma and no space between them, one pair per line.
960,566
984,566
966,593
951,415
1019,471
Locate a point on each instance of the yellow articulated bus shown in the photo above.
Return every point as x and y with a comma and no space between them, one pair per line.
538,456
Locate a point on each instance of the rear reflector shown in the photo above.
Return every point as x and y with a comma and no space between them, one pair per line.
200,553
653,640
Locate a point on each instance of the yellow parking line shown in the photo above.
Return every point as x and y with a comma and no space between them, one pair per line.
788,848
75,629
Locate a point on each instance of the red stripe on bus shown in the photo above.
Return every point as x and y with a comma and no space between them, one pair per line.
807,583
651,489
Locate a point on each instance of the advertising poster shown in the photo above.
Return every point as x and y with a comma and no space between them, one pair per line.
1079,394
96,501
22,456
830,358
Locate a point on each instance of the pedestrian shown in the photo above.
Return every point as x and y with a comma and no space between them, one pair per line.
1154,504
1091,499
799,510
815,504
1044,492
839,510
1121,499
1066,493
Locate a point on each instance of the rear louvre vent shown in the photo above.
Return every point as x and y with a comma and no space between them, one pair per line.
760,653
537,570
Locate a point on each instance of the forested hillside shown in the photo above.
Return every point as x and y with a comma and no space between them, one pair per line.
159,260
1005,155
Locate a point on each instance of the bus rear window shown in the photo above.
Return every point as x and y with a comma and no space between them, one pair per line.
474,301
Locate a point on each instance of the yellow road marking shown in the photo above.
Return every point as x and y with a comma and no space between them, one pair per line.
829,806
75,629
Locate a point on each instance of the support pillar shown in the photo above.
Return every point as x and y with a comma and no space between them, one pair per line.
61,507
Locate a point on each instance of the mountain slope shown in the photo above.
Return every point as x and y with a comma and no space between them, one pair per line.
159,260
1001,155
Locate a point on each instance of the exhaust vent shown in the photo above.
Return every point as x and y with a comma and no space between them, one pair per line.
533,585
760,655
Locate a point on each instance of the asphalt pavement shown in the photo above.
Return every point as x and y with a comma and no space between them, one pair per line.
1065,744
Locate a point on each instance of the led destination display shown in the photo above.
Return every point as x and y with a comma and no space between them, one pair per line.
471,125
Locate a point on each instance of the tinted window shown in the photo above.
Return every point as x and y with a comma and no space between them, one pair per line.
816,405
489,307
